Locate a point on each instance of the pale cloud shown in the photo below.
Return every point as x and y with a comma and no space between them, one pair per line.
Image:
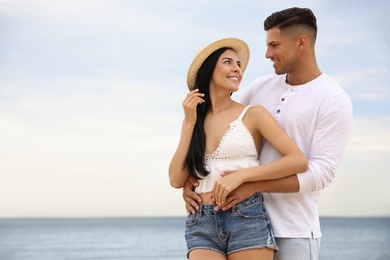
370,135
364,79
374,96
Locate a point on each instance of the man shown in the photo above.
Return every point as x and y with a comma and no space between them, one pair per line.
315,112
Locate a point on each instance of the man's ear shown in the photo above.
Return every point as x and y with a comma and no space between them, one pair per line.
302,41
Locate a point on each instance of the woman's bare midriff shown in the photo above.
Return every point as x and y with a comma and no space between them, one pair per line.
206,198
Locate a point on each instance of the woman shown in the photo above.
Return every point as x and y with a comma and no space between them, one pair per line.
220,135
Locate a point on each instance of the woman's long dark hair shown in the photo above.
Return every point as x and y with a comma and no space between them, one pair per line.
196,152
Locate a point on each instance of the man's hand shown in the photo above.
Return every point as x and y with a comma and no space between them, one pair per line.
190,197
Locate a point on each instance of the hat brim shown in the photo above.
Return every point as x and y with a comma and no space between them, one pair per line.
239,46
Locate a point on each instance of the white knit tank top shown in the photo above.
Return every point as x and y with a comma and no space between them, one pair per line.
235,151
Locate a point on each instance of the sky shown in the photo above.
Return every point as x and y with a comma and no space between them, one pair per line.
91,92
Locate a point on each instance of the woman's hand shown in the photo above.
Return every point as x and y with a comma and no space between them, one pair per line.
190,103
241,193
223,186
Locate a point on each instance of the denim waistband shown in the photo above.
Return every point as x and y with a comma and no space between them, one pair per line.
255,198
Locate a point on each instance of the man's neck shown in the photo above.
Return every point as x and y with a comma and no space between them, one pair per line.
303,77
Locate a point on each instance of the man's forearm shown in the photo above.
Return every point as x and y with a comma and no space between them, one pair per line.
284,185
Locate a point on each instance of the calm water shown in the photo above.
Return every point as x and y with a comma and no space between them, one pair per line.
162,238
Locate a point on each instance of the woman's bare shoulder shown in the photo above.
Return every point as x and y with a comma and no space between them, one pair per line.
257,109
259,112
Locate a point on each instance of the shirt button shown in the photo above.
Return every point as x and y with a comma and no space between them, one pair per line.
282,99
278,110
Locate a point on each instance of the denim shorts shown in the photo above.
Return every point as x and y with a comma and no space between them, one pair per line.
244,226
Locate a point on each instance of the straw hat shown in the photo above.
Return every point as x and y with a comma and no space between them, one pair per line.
239,46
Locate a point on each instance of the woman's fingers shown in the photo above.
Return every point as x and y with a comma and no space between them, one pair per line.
190,103
194,97
219,193
194,101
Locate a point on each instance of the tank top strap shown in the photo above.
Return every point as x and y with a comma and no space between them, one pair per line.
243,113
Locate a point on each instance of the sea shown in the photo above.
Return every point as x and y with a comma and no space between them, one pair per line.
163,238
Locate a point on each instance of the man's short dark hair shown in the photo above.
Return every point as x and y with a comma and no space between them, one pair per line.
293,17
